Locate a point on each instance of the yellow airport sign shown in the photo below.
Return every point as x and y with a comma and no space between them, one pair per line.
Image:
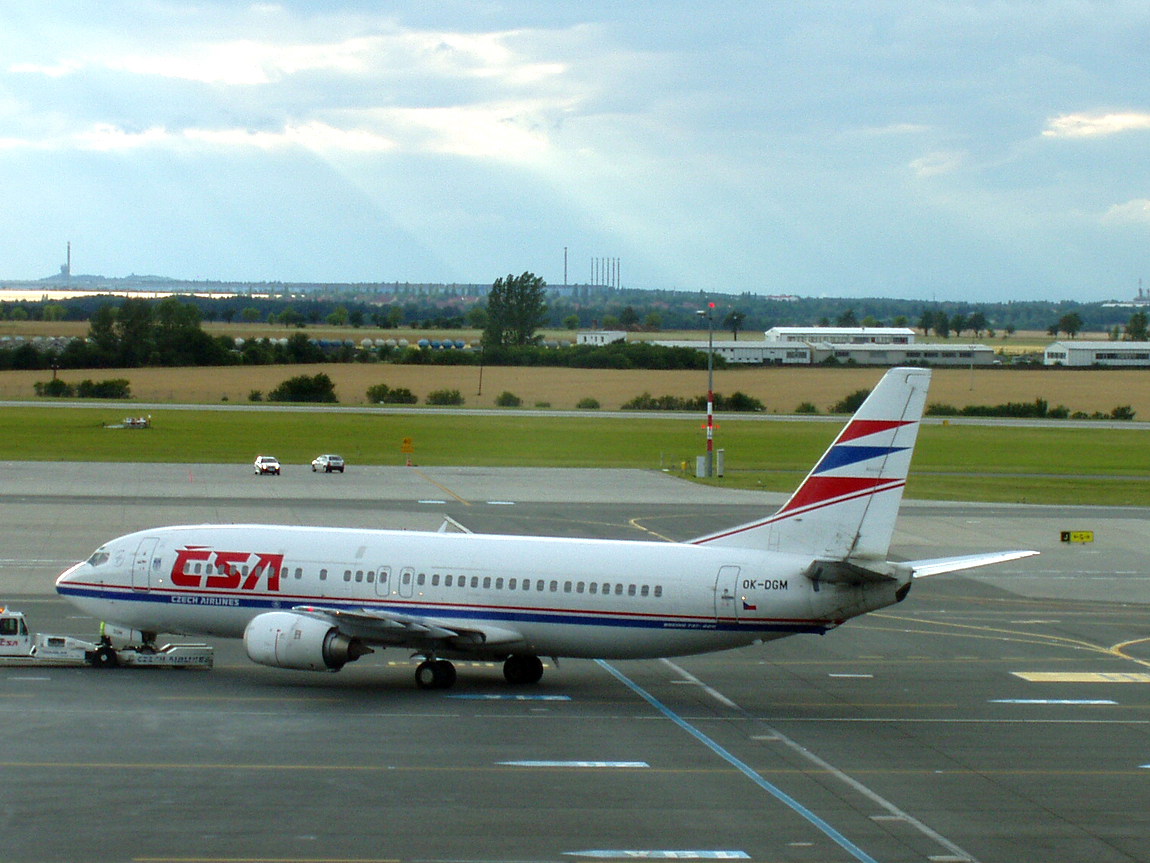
1078,536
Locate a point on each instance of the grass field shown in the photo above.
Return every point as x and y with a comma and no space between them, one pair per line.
780,389
1085,466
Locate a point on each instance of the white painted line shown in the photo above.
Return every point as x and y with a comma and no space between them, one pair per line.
859,676
1076,701
501,503
853,783
575,764
635,854
512,697
715,694
432,501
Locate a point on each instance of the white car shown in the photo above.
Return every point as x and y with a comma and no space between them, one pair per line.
327,463
267,464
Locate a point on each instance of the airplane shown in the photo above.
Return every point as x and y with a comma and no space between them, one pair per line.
316,598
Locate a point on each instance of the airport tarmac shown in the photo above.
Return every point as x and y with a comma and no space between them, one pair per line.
996,715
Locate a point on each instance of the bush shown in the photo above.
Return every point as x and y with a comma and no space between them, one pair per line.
806,408
738,401
113,388
54,388
507,399
1122,412
385,395
445,397
256,396
305,389
851,403
588,404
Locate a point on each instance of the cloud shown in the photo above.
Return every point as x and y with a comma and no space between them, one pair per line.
934,164
1095,125
1132,212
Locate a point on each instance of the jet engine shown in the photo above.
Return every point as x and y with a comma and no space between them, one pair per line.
283,639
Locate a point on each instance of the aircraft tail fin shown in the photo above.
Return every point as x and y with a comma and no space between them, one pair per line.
847,505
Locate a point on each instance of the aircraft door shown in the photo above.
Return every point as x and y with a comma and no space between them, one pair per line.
726,593
383,581
142,562
406,582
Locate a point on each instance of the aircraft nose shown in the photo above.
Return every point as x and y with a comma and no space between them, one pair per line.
67,576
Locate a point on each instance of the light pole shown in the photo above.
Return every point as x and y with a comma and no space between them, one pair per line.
709,464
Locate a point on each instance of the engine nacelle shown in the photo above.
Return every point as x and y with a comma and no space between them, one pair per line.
283,639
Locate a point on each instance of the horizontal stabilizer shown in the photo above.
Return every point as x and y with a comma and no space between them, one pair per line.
939,565
845,572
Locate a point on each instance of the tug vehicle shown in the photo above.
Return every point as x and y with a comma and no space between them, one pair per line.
116,647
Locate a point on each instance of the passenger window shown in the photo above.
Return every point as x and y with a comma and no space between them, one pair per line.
435,579
630,590
499,584
370,577
447,581
197,569
566,587
323,575
658,590
487,582
511,583
422,579
539,585
593,588
359,575
347,575
606,589
474,581
579,587
554,586
299,572
619,590
646,591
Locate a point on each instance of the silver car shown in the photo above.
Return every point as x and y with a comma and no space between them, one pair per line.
267,464
327,463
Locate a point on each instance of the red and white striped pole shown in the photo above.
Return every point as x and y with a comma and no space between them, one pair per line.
709,464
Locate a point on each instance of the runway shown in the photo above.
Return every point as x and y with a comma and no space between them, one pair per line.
997,716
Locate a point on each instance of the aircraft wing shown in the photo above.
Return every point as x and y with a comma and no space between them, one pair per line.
388,628
938,565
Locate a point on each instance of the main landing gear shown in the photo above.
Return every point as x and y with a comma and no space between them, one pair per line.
518,669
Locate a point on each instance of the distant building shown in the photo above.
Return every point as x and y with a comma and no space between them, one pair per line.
843,335
750,353
600,337
1079,354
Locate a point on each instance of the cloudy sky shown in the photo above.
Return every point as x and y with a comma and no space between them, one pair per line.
946,150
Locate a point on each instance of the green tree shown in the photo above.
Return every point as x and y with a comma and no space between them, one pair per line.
1071,324
734,322
976,322
847,319
515,310
1136,327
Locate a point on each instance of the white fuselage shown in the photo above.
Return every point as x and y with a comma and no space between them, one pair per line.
564,597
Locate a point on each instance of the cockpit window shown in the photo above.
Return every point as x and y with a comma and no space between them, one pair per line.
100,557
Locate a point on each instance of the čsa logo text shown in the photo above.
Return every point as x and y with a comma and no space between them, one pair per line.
197,566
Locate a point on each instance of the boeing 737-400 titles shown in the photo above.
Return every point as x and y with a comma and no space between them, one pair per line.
313,598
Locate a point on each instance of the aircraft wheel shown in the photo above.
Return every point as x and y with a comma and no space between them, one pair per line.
435,674
105,657
522,670
445,673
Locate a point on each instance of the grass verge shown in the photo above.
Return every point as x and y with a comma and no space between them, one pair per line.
955,462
